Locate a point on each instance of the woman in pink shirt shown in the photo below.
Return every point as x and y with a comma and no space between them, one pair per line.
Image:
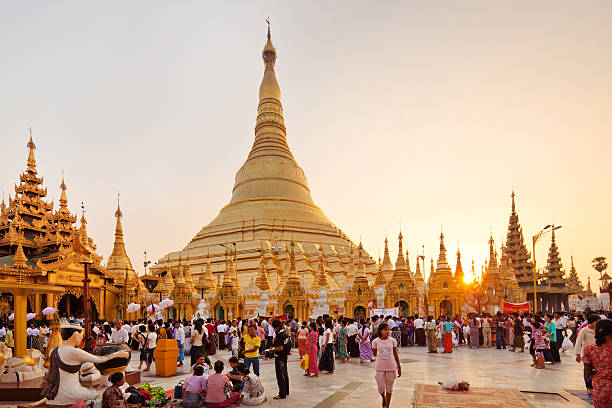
216,385
387,362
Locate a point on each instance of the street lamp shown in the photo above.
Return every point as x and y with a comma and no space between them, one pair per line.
535,239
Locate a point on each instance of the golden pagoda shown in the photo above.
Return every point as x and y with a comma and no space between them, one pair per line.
401,291
445,295
270,206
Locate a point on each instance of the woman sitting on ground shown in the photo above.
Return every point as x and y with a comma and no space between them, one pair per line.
194,389
253,390
113,396
218,388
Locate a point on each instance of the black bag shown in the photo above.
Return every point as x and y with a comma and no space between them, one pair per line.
135,396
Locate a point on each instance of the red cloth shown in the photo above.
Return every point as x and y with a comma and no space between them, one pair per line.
448,343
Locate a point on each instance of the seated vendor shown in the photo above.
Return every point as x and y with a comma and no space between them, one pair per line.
113,396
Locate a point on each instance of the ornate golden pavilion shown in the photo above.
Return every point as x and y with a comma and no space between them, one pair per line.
39,245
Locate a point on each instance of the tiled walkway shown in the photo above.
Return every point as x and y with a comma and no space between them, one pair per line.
353,384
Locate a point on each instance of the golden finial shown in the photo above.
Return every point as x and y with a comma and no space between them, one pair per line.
268,21
118,213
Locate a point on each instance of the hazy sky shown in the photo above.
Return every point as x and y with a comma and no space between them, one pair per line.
428,112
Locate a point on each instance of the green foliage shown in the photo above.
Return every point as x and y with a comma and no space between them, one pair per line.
600,264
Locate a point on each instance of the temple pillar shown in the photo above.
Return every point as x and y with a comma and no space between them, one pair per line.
37,308
21,309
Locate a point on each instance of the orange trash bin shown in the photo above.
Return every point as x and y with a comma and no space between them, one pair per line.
166,356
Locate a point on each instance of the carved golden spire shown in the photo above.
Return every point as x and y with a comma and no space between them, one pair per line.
31,159
227,275
119,261
386,264
400,263
589,291
418,276
19,259
492,253
83,229
262,281
63,198
293,274
322,281
442,261
459,275
360,273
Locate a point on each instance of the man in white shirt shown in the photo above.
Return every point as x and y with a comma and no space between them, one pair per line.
391,323
179,335
120,335
419,331
561,326
221,330
2,333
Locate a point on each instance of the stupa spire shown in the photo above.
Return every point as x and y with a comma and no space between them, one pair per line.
19,259
459,275
492,252
63,198
554,268
31,159
573,279
520,259
386,264
400,263
262,281
119,261
442,261
293,274
270,169
417,274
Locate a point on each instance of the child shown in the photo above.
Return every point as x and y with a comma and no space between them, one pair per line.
234,342
233,375
539,345
194,389
387,361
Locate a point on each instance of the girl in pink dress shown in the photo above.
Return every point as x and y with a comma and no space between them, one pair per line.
312,342
387,362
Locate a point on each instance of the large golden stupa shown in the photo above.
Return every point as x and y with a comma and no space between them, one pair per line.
270,207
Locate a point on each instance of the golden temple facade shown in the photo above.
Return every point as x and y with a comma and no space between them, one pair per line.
42,246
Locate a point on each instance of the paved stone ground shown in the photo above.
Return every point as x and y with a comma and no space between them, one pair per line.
353,384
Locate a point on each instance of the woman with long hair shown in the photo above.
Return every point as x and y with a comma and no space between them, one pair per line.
342,353
365,347
327,357
597,359
312,349
197,335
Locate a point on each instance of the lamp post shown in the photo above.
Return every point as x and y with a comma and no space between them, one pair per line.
535,239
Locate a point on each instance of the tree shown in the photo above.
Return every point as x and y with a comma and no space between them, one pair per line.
600,264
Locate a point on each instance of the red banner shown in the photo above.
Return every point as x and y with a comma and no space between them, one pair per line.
516,307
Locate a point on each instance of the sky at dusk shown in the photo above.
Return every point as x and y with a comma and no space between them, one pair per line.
424,112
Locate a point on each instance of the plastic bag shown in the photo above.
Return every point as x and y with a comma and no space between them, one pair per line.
567,344
451,382
304,362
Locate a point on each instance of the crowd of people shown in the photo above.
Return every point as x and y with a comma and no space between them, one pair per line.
323,342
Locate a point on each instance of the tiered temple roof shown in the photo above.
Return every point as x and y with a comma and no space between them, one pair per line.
554,274
573,281
517,251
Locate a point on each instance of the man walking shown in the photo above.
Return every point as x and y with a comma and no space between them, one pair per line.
419,331
179,335
279,348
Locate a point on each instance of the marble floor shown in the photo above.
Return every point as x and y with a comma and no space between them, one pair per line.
353,384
